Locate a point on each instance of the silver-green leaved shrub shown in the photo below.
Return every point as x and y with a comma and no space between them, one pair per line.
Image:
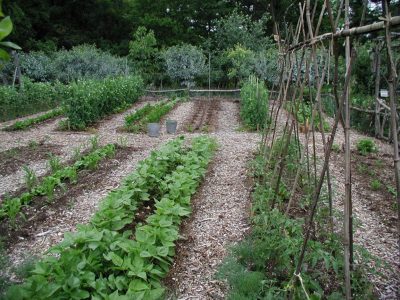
184,63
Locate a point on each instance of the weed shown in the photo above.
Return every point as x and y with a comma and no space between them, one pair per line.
362,168
392,190
190,128
29,177
206,128
375,185
33,144
336,148
366,146
54,163
77,153
94,142
122,141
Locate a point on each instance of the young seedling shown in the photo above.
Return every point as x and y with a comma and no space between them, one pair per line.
375,184
54,163
29,177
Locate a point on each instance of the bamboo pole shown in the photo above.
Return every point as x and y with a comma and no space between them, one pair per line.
347,156
377,72
393,21
392,81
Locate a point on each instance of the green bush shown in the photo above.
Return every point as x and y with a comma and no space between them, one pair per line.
366,146
32,98
254,104
88,101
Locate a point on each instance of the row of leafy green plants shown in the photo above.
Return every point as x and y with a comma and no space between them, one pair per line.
105,259
83,102
263,265
29,122
11,208
137,121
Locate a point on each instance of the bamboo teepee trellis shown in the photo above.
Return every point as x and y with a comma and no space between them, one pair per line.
305,42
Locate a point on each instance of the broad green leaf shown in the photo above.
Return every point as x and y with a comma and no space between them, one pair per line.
6,27
4,54
138,285
10,45
162,251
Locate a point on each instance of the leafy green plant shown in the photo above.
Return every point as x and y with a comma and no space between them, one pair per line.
336,148
29,177
54,163
94,142
254,104
366,146
375,185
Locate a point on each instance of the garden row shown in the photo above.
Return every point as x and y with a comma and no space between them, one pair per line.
105,259
11,208
137,121
83,102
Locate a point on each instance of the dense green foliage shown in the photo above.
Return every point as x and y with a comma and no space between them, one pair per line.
105,260
32,98
254,104
88,101
11,208
21,125
81,62
262,266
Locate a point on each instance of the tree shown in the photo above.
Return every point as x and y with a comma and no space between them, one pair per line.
184,63
242,63
143,51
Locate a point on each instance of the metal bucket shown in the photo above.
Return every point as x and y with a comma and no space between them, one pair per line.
171,126
153,129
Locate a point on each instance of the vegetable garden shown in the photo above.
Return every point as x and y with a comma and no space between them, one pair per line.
280,179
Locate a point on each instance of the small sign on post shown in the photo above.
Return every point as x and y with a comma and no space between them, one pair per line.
384,93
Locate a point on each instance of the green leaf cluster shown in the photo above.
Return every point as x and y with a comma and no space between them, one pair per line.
21,125
11,208
89,101
103,260
366,146
254,104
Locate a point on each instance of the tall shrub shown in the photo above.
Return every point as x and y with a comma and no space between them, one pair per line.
184,63
254,103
